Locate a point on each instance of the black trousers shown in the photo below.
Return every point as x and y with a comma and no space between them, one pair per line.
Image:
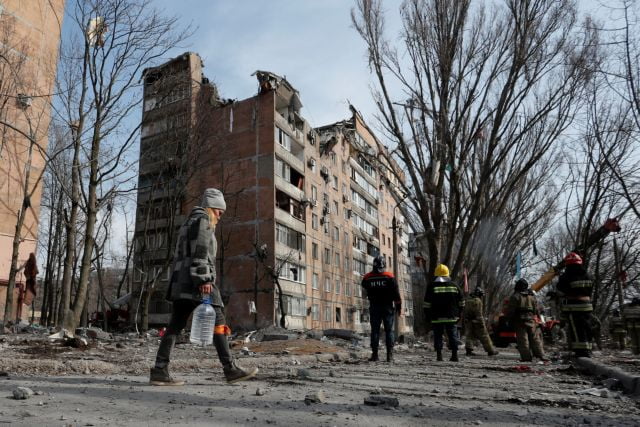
381,314
182,309
452,335
580,335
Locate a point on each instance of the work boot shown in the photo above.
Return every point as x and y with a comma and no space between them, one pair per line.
374,356
454,356
160,376
470,352
390,355
493,353
439,355
234,373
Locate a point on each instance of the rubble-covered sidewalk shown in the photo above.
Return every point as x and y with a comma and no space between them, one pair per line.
304,379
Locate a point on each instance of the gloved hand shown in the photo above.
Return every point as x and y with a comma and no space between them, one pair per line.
398,307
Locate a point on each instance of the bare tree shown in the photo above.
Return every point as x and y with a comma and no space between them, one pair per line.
621,73
113,41
473,103
594,192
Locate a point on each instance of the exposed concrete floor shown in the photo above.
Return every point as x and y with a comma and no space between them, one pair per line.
476,391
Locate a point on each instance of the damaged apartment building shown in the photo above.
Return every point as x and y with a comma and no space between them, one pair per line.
307,208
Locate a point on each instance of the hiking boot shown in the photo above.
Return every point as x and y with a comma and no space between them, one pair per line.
493,353
454,356
160,376
235,373
390,355
374,356
439,355
470,352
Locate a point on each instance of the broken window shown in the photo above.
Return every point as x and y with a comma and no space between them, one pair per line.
338,315
290,205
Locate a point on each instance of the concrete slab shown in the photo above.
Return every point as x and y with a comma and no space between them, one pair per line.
630,383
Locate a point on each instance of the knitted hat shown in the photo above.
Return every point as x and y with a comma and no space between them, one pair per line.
213,198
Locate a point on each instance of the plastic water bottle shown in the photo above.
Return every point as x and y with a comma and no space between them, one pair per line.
202,324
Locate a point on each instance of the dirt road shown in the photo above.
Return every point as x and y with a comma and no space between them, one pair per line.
107,385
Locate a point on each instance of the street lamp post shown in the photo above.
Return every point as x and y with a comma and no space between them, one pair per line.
395,228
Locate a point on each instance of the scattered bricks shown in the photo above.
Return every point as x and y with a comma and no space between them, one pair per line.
384,401
22,393
98,334
315,397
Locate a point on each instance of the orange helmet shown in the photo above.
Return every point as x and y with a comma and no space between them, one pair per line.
572,258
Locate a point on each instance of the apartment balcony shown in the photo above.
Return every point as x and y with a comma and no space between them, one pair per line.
296,134
355,165
363,214
285,252
152,224
289,158
147,195
291,190
285,218
292,288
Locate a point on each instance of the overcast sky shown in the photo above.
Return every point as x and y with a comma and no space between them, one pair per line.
311,42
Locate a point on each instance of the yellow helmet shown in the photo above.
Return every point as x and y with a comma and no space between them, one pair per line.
442,271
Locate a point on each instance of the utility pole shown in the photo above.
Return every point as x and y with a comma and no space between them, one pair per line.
394,227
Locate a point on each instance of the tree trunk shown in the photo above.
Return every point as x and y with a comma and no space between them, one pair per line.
70,228
22,213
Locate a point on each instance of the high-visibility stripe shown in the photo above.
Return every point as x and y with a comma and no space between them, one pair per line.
426,304
445,289
578,307
580,345
444,320
581,284
222,330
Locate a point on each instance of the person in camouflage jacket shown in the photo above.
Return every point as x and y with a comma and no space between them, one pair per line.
193,275
522,310
475,329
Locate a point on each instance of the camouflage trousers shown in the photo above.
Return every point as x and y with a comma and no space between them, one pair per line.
476,330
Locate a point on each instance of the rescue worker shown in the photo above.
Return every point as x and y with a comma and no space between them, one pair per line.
475,328
576,287
522,310
193,276
443,304
631,315
384,297
616,330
